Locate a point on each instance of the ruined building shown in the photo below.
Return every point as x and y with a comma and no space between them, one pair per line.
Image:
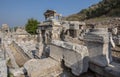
78,46
60,44
5,28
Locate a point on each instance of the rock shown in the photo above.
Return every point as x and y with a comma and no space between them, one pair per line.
113,70
75,56
42,67
114,31
17,72
3,68
116,40
98,44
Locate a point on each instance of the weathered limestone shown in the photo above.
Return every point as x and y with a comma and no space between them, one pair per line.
50,14
5,28
49,30
3,63
28,47
75,27
112,70
65,24
98,44
11,57
40,49
114,31
56,32
19,54
17,72
43,68
20,34
116,39
3,68
75,56
56,52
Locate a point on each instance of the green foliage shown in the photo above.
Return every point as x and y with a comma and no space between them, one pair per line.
31,26
105,7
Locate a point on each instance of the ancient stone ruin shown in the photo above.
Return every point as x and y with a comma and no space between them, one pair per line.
58,45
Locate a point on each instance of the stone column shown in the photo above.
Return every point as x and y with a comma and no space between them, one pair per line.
40,36
39,46
98,44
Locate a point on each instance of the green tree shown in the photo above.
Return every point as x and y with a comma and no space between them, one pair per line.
31,26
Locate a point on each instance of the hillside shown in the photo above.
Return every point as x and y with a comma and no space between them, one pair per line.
105,8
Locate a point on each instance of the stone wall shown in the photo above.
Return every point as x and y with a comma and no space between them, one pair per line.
19,54
75,56
98,44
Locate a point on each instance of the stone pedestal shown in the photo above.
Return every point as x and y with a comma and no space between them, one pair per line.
98,44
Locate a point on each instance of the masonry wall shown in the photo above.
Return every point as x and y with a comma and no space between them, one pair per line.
75,56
